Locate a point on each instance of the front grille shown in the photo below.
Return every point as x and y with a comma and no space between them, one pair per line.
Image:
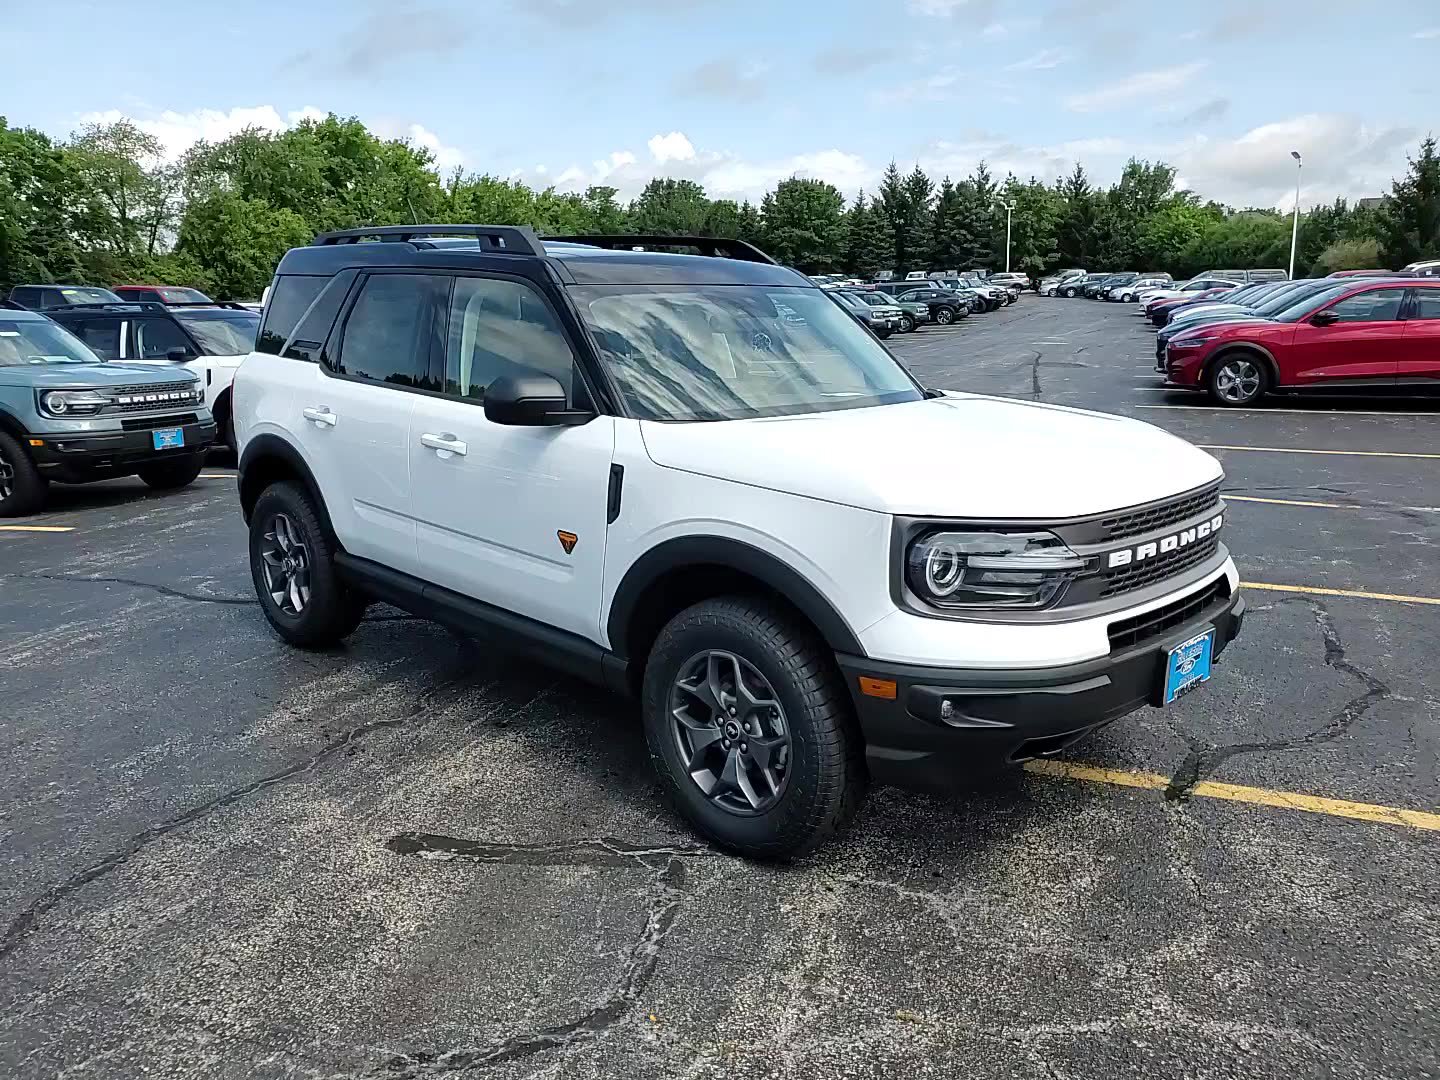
1161,514
149,423
155,389
1140,628
1134,576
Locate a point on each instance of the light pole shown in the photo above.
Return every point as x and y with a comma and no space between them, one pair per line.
1295,227
1009,209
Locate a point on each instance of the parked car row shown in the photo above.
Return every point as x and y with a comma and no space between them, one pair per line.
1347,333
905,306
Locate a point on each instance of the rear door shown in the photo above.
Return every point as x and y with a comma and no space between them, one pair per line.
1364,345
1420,353
513,516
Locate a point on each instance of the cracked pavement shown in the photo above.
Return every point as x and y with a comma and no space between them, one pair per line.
411,856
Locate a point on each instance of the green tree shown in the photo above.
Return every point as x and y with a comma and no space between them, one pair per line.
722,218
749,227
1076,237
869,246
1410,224
238,241
670,206
133,197
1035,226
1166,233
603,214
1349,255
39,191
804,224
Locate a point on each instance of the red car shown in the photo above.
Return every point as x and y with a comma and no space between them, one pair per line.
1357,335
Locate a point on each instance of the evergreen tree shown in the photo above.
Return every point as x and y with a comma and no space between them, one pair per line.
869,245
804,224
1077,226
1410,224
895,214
748,226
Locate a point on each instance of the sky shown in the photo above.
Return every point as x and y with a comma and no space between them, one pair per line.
740,94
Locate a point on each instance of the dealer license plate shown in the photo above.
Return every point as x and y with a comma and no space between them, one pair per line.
1188,665
168,438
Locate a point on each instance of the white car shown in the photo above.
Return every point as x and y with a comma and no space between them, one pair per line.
694,479
1194,285
1127,293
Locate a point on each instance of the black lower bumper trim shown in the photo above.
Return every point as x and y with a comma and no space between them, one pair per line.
79,458
1000,717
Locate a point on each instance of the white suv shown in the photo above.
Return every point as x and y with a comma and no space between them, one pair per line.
695,479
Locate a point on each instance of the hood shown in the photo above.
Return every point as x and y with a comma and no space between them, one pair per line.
962,455
1216,319
86,375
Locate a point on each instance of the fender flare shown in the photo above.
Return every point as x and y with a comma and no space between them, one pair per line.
735,554
1258,350
268,447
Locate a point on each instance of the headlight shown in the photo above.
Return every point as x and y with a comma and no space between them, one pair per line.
1190,342
959,570
73,402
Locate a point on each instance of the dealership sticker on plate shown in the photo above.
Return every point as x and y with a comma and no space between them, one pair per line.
1188,665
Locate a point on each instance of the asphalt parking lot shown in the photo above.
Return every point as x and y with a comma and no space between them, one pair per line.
220,857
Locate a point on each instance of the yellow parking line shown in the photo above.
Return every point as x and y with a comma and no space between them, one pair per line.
1210,789
1289,502
1341,453
36,528
1398,598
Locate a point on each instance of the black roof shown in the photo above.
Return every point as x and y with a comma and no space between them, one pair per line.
572,260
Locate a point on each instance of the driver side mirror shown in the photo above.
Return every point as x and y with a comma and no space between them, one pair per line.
177,355
1324,318
531,399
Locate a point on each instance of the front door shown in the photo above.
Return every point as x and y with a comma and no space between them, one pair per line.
513,516
1420,356
1363,345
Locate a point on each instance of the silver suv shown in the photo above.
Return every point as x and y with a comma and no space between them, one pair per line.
68,416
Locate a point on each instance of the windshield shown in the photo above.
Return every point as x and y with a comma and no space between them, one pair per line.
223,332
87,295
1304,305
40,341
175,295
1283,297
688,352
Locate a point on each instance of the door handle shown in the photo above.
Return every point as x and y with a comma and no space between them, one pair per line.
322,416
446,442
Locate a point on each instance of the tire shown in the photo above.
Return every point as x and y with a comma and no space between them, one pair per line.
22,488
945,315
1069,294
1237,379
169,475
882,332
907,324
821,782
328,610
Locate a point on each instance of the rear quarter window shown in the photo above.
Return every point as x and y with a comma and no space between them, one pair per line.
290,296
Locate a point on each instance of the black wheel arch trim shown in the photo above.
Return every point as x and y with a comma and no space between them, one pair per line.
733,554
1245,346
11,424
272,447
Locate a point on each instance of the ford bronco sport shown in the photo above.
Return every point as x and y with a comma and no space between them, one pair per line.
67,415
692,477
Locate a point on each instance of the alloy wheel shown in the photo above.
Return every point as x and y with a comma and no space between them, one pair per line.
944,316
730,732
7,478
286,561
1237,381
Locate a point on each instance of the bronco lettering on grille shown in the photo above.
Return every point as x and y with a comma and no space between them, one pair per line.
1151,548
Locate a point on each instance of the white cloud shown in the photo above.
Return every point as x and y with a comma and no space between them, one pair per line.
938,87
1428,34
446,157
1135,88
672,147
939,8
1040,61
178,131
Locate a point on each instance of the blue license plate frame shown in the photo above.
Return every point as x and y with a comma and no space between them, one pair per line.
1187,665
168,438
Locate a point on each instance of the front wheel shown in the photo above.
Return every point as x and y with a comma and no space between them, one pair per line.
944,316
22,487
168,475
882,332
750,729
1070,294
907,324
1237,379
292,563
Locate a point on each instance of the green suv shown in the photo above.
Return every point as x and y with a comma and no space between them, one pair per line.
68,416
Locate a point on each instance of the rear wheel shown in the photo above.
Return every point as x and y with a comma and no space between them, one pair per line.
168,475
750,729
945,316
1237,379
22,488
907,323
1070,293
292,563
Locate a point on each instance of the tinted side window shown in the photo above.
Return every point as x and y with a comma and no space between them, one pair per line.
25,296
308,339
153,338
1378,305
392,331
1427,304
289,297
504,328
102,335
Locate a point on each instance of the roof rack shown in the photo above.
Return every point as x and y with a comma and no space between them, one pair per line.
722,246
514,239
151,306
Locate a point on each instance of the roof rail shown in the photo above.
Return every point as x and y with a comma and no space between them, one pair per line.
515,239
722,246
151,306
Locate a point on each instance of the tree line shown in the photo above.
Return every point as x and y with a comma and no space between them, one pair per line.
105,207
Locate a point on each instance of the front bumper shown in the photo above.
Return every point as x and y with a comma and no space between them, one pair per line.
96,456
1006,716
